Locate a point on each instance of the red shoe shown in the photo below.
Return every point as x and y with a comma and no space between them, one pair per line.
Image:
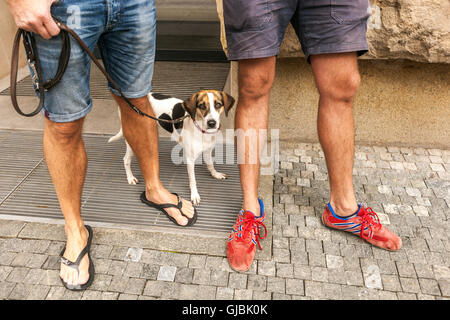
363,219
241,247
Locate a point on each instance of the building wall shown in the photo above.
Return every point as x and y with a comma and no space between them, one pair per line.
7,31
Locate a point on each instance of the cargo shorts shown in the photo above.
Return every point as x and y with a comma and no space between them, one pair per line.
255,28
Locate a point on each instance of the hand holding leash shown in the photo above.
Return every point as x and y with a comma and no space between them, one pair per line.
34,16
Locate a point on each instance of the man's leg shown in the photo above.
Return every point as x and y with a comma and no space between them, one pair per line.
142,135
66,161
337,79
255,81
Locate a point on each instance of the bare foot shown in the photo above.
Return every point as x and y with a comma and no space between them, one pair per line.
162,195
76,241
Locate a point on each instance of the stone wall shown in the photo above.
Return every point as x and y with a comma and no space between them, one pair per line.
417,30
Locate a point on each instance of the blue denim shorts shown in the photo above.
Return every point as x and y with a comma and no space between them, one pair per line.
255,29
125,32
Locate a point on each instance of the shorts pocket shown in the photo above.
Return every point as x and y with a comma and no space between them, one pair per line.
245,15
349,11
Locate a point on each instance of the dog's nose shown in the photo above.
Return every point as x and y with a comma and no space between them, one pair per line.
211,123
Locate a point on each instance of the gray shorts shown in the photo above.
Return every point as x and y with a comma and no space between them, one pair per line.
255,28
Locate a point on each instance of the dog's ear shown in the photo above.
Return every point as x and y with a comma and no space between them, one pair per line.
228,102
190,105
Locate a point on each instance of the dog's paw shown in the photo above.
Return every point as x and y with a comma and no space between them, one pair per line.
132,180
195,198
219,175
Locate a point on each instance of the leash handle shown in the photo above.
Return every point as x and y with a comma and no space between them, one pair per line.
33,61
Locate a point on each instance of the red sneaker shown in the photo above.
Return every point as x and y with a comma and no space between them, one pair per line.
241,247
363,219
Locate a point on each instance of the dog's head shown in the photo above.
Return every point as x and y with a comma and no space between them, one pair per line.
206,106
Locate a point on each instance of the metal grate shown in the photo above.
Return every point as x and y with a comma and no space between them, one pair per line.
26,188
178,79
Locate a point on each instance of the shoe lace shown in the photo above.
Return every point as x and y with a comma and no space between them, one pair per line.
370,219
249,224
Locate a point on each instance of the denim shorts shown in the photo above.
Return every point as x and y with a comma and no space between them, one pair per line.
255,29
125,32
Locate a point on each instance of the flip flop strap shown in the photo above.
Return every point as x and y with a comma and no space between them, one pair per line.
83,252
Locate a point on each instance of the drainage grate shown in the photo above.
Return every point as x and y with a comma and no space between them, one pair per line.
178,79
26,188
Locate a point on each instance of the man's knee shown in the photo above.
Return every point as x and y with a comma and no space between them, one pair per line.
256,87
65,132
342,88
256,77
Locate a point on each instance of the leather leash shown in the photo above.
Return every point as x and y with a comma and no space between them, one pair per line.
40,87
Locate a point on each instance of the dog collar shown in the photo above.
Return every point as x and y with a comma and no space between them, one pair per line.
204,131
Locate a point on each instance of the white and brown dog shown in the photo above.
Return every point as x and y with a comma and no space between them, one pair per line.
195,133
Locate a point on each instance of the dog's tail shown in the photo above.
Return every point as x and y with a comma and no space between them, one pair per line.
118,136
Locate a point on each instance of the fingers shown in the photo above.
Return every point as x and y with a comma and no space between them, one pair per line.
51,27
42,31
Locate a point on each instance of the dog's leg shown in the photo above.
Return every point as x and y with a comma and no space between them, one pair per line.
190,160
207,157
127,164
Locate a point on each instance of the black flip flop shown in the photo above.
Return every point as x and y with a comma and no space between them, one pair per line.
76,264
161,207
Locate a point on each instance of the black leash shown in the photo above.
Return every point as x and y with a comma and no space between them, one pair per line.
40,87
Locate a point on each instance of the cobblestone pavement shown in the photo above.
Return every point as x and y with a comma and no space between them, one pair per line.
409,188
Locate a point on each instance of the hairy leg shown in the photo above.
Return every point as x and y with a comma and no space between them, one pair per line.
141,134
66,160
255,81
337,79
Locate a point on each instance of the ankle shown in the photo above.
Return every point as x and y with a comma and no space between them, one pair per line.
75,229
252,206
344,209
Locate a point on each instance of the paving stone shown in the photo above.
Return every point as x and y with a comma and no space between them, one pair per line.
285,270
4,272
134,254
133,269
117,268
92,295
219,278
319,274
125,296
102,282
18,274
410,285
258,295
38,292
135,286
406,269
276,285
224,293
391,282
184,275
429,286
237,281
118,283
167,273
56,293
197,292
243,294
202,276
101,251
266,268
150,271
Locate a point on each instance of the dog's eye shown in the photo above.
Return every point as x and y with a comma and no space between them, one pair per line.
218,105
202,106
